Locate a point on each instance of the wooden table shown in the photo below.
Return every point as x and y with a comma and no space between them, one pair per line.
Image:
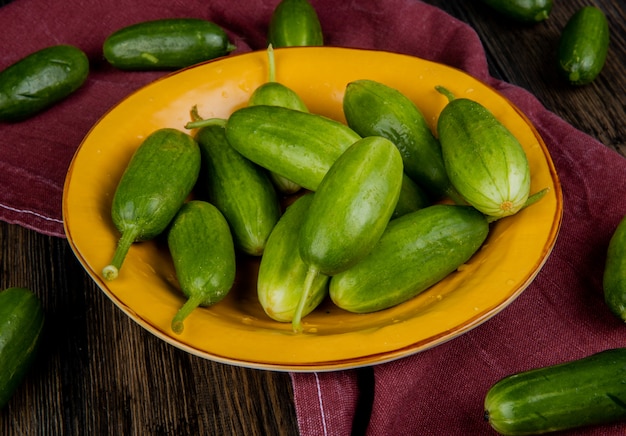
100,373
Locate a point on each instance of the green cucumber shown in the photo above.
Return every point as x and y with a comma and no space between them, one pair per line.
295,23
40,80
273,93
583,46
350,210
415,252
157,180
584,392
524,11
166,44
412,198
614,279
21,324
375,109
282,271
300,146
203,253
484,160
239,188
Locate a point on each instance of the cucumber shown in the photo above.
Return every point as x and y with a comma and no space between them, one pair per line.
282,271
412,198
583,46
300,146
524,11
295,23
240,189
166,44
614,278
273,93
415,252
374,109
349,211
485,162
40,80
203,253
159,177
584,392
21,324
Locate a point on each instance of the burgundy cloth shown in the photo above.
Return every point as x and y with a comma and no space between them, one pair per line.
560,317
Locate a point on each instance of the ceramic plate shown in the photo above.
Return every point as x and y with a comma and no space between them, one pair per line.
237,331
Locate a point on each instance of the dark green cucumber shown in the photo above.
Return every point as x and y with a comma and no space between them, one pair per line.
350,210
415,252
282,271
203,253
159,177
375,109
273,93
412,198
614,279
484,160
21,324
166,44
584,392
298,145
295,23
40,80
239,188
525,11
583,46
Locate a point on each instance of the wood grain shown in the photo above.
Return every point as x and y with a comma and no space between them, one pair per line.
100,373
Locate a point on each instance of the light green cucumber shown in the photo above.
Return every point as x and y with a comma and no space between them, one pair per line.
484,160
203,253
375,109
282,272
415,252
298,145
239,188
349,211
157,180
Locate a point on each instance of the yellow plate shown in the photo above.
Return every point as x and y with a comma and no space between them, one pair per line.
236,330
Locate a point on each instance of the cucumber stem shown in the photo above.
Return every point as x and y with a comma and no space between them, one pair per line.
272,63
197,124
296,322
190,305
445,91
111,271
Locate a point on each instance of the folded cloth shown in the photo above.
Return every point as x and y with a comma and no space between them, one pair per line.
561,316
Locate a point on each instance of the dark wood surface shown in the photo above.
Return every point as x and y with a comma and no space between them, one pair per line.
100,373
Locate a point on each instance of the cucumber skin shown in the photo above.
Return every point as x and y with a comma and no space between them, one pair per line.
21,324
583,392
415,252
299,146
203,252
525,11
352,206
374,109
277,94
583,46
295,23
156,182
614,278
485,162
40,80
240,189
282,271
166,44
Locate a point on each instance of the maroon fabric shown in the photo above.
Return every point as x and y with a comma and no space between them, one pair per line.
561,316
